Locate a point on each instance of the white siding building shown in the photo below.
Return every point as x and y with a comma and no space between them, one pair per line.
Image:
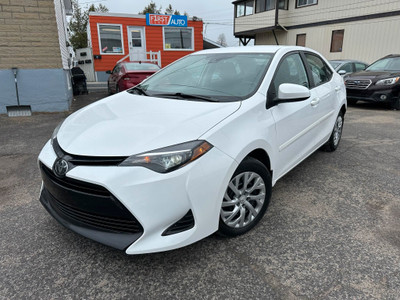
365,30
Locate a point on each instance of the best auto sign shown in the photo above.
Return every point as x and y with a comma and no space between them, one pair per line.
166,20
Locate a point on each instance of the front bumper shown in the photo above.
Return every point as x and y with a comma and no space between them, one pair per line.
156,201
372,95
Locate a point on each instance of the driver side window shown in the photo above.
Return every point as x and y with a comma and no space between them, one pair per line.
290,70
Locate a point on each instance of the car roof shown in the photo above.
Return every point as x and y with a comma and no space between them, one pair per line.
138,62
346,60
252,49
391,55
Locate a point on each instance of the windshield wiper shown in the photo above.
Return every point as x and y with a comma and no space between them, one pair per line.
139,89
186,96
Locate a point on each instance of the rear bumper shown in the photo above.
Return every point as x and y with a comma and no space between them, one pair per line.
126,84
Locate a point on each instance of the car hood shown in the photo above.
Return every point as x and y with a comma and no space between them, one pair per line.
372,75
126,124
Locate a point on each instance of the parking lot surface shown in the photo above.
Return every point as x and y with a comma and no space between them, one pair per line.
332,230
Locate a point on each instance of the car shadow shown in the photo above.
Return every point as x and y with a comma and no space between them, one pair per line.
371,106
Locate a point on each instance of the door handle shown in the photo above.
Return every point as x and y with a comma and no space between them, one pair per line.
314,102
337,89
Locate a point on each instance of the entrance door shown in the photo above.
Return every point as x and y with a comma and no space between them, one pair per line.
137,43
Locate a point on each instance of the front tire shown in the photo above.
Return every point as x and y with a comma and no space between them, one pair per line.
333,142
396,104
246,198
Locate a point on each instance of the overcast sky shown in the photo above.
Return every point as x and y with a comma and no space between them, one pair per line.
217,15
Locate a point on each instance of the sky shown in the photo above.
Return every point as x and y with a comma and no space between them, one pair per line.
217,15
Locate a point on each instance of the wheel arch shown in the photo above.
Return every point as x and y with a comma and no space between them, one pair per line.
343,109
262,156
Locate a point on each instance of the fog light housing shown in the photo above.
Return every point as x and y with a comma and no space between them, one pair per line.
383,97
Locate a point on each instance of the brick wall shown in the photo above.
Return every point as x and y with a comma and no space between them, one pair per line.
28,35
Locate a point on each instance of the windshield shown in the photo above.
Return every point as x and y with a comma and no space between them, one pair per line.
335,64
219,77
141,66
386,64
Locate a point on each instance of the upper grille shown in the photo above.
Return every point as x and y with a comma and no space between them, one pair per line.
75,185
358,84
80,160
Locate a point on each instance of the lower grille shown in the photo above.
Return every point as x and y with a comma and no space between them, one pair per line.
185,223
87,205
112,224
358,84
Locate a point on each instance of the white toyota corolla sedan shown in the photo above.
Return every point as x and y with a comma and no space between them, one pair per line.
192,150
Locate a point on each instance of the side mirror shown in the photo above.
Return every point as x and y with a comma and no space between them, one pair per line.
289,92
108,72
342,72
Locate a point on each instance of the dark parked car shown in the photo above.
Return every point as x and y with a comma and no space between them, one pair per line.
78,79
128,74
345,67
378,83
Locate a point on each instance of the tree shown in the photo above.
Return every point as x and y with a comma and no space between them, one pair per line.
222,40
170,11
151,9
78,24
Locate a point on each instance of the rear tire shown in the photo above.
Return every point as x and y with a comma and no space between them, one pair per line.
246,198
108,89
334,140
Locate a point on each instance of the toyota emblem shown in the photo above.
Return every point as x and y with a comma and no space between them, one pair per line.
60,167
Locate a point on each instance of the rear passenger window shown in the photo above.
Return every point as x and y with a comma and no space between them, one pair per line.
319,70
290,70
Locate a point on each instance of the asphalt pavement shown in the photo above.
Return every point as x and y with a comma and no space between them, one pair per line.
332,230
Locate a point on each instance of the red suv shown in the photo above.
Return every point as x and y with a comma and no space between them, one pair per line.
128,74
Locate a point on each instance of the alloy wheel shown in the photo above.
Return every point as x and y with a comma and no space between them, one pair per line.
337,130
243,199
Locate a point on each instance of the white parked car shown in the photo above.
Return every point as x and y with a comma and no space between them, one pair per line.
192,150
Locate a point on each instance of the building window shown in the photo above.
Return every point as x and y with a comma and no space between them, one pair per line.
301,3
264,5
110,39
301,40
283,4
249,7
178,38
337,41
136,38
245,8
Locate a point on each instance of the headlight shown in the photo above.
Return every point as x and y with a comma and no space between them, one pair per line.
54,135
388,81
167,159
